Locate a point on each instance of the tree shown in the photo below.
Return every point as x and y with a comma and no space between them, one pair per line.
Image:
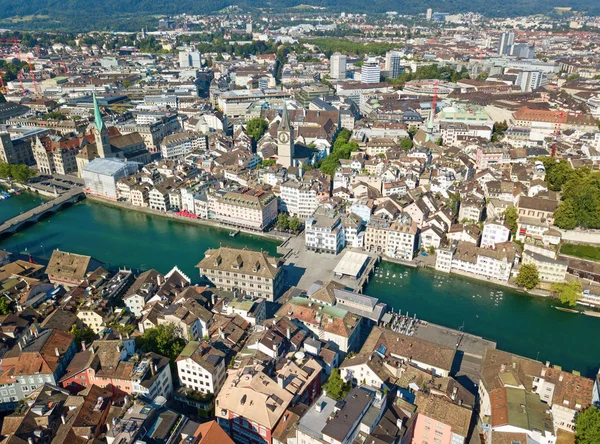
565,216
483,75
412,130
256,128
283,221
587,426
18,172
335,385
511,216
498,130
406,144
164,339
268,162
567,292
528,276
85,334
5,306
439,142
294,224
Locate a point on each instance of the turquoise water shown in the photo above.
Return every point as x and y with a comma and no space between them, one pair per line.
525,325
521,324
122,238
17,204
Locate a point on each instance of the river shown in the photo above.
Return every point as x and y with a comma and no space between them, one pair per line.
17,204
521,324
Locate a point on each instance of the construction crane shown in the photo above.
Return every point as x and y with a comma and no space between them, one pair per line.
557,133
20,76
433,107
32,74
16,47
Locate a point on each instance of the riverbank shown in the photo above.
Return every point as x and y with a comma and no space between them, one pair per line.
189,220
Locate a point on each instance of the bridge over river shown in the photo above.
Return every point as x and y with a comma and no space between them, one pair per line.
11,226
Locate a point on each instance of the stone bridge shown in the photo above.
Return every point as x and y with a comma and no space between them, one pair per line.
31,217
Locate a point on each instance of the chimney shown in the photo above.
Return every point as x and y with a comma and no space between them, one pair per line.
153,368
82,345
561,377
543,374
280,381
63,418
288,333
399,423
57,352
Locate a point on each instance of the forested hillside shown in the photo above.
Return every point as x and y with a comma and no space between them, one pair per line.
131,14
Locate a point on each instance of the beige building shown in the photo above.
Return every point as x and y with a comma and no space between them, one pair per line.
255,209
251,272
56,157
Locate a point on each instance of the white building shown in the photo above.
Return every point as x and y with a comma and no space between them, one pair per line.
494,233
178,145
468,258
190,59
337,69
298,198
201,367
101,175
370,71
323,232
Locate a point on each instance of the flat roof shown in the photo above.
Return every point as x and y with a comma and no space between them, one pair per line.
351,264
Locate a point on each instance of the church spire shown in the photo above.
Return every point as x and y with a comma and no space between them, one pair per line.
285,119
97,116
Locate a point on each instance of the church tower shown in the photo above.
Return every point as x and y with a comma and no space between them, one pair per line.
285,140
101,133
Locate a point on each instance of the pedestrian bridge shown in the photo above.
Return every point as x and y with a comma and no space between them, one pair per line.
31,217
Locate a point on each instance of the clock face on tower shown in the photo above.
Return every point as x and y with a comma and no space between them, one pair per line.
284,138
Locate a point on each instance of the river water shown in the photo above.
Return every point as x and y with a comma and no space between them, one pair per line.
521,324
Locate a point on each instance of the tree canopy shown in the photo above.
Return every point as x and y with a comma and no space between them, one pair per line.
567,292
342,149
256,128
528,276
335,385
163,339
587,426
511,217
18,172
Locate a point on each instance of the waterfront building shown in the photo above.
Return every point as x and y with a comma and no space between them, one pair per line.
402,240
42,360
69,269
337,69
249,272
101,175
550,269
201,367
490,264
247,208
323,231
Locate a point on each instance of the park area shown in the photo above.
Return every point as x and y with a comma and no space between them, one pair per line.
588,252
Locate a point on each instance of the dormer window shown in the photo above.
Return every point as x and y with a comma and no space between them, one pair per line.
237,264
218,260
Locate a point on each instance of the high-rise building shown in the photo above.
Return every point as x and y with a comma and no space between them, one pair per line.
370,72
522,50
392,63
531,80
507,40
337,69
429,14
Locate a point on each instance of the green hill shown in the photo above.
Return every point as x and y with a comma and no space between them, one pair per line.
132,14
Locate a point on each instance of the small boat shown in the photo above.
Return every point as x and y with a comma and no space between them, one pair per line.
234,233
568,310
